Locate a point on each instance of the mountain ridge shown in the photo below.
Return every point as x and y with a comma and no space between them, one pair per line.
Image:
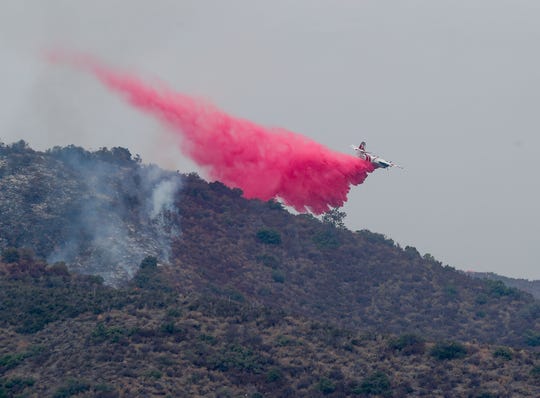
527,285
229,245
226,286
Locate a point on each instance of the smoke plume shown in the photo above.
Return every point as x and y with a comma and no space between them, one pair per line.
264,162
120,212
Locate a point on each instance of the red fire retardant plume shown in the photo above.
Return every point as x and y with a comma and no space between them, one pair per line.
264,162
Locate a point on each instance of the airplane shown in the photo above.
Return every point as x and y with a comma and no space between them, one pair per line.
375,160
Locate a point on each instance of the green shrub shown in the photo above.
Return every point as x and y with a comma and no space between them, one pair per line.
429,257
327,239
335,218
274,205
269,237
375,238
274,375
153,374
411,252
148,276
16,385
375,384
450,291
174,312
283,341
486,395
278,276
499,289
105,391
504,353
532,338
73,387
235,295
535,372
149,262
33,322
168,327
531,311
480,314
10,255
408,344
236,357
102,333
10,361
326,386
481,299
448,350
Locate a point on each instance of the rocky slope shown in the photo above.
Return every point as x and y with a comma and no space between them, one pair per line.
100,212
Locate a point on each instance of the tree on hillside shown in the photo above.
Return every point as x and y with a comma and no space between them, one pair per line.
334,217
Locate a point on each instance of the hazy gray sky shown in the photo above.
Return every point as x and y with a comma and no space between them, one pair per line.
448,89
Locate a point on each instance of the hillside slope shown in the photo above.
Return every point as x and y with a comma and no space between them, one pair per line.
65,335
532,287
208,294
101,212
258,252
97,212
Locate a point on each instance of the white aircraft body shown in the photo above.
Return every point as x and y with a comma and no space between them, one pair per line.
375,160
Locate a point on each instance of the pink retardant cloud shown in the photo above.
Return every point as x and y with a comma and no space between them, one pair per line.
264,162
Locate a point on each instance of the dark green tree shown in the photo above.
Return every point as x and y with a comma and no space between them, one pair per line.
334,217
375,384
448,350
10,255
269,237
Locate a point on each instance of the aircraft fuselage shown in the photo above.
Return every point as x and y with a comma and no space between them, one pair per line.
375,160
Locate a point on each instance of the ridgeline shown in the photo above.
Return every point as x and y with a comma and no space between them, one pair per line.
119,279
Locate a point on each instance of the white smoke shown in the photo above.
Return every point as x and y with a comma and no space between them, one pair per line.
124,213
163,197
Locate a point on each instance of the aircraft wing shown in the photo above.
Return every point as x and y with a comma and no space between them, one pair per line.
392,164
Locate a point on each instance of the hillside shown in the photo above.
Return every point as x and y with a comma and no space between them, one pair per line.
532,287
100,212
247,297
359,280
66,335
